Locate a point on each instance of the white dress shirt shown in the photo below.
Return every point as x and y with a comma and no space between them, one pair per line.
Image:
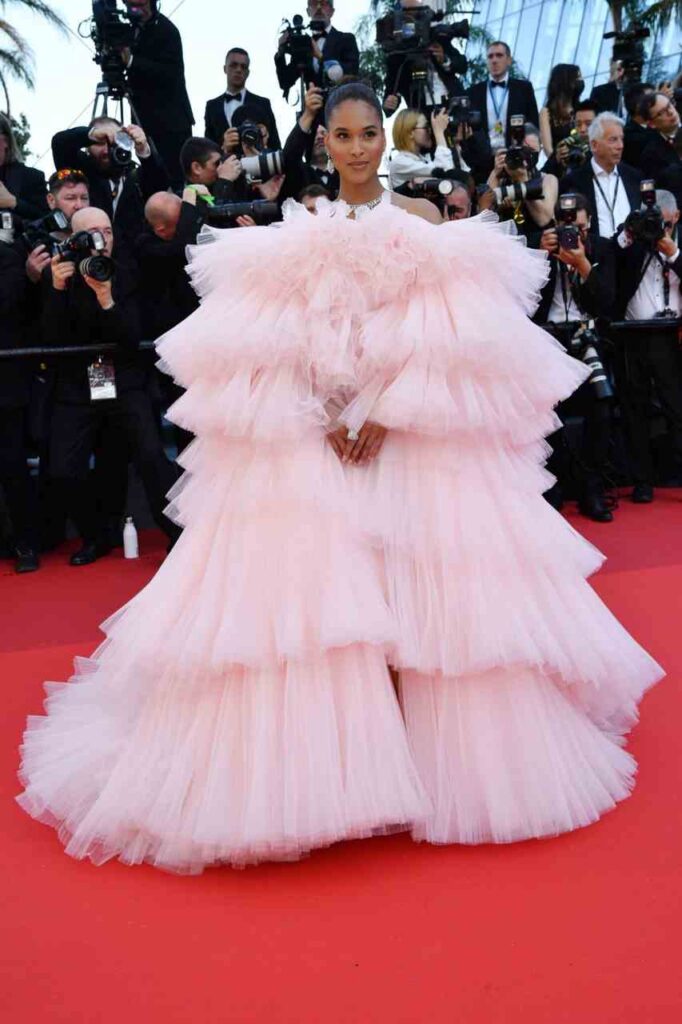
231,106
502,100
649,298
560,311
403,166
610,198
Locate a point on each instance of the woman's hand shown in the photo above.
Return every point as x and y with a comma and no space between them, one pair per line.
367,446
439,122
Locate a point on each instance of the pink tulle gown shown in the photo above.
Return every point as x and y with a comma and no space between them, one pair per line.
241,707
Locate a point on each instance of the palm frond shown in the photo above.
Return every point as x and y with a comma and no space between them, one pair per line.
14,36
41,8
14,62
660,14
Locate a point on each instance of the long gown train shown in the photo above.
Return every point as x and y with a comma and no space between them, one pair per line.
240,708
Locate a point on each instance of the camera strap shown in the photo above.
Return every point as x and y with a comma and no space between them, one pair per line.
611,206
665,270
567,277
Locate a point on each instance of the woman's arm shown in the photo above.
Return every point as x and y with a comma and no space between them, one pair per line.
546,132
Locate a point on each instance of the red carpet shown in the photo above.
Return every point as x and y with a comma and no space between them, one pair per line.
583,929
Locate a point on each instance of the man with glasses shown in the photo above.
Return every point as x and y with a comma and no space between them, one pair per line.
502,96
220,124
662,117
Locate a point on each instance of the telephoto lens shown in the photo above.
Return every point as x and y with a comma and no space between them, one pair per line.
99,268
263,166
433,188
261,210
518,191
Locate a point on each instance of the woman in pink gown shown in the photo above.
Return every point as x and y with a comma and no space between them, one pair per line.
370,402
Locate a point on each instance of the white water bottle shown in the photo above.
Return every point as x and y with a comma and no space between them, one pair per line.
131,548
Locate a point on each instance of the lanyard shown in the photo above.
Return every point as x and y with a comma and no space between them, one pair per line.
498,110
610,206
567,279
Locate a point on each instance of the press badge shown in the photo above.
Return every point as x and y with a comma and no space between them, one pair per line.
102,380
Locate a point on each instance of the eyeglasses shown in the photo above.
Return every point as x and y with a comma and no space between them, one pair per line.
68,172
664,110
421,128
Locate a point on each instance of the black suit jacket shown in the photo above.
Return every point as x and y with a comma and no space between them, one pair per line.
15,374
157,79
606,97
597,294
298,172
167,296
74,317
216,124
27,185
399,80
521,101
339,46
635,139
630,265
139,183
582,180
657,156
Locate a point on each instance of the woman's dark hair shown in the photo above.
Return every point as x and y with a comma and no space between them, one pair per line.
563,91
356,91
13,154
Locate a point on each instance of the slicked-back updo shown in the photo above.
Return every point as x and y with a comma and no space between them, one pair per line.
359,92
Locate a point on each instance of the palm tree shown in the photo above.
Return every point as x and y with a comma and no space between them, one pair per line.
656,16
16,56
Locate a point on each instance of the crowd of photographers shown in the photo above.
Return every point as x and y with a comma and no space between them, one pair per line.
92,262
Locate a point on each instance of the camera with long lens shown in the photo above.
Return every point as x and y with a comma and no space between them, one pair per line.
460,112
432,188
39,232
578,149
568,233
263,211
583,345
78,249
113,29
628,50
519,191
265,164
646,225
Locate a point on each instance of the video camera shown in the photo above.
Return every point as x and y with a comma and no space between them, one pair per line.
299,46
223,214
410,32
628,49
78,249
113,29
646,225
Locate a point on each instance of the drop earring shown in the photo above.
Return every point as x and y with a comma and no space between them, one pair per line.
330,165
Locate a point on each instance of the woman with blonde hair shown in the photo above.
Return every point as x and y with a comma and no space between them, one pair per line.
413,139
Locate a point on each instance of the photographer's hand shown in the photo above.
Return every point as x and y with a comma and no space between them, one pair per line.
667,247
391,103
246,222
437,52
313,104
561,153
549,241
283,40
271,189
62,272
142,147
231,140
486,199
498,167
230,169
105,133
576,258
439,123
8,200
102,290
38,259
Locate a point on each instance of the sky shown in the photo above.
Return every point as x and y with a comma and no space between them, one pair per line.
66,76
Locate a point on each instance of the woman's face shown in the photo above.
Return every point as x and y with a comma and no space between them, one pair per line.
421,134
356,141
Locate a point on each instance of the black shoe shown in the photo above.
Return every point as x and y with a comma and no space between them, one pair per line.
642,494
594,507
89,553
27,559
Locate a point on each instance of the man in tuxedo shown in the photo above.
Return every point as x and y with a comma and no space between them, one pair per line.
156,77
662,117
120,191
501,96
581,285
610,96
649,281
424,94
610,186
221,110
331,50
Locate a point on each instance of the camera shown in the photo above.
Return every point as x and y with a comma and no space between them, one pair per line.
263,211
459,109
299,44
249,134
517,153
409,33
578,149
78,249
6,227
432,188
39,232
567,231
263,166
519,191
646,224
121,150
628,49
583,346
112,30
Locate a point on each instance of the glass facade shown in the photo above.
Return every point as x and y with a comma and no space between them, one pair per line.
542,33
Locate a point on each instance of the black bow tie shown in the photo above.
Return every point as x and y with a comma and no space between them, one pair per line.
496,85
321,35
236,96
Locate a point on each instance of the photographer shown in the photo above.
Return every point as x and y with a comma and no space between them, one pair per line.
457,204
515,169
414,141
610,186
502,97
573,151
156,76
67,192
580,288
424,78
225,180
648,358
219,115
22,188
305,153
333,54
15,389
90,300
637,133
662,118
117,184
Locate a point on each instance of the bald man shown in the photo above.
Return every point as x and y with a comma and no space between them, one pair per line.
102,393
